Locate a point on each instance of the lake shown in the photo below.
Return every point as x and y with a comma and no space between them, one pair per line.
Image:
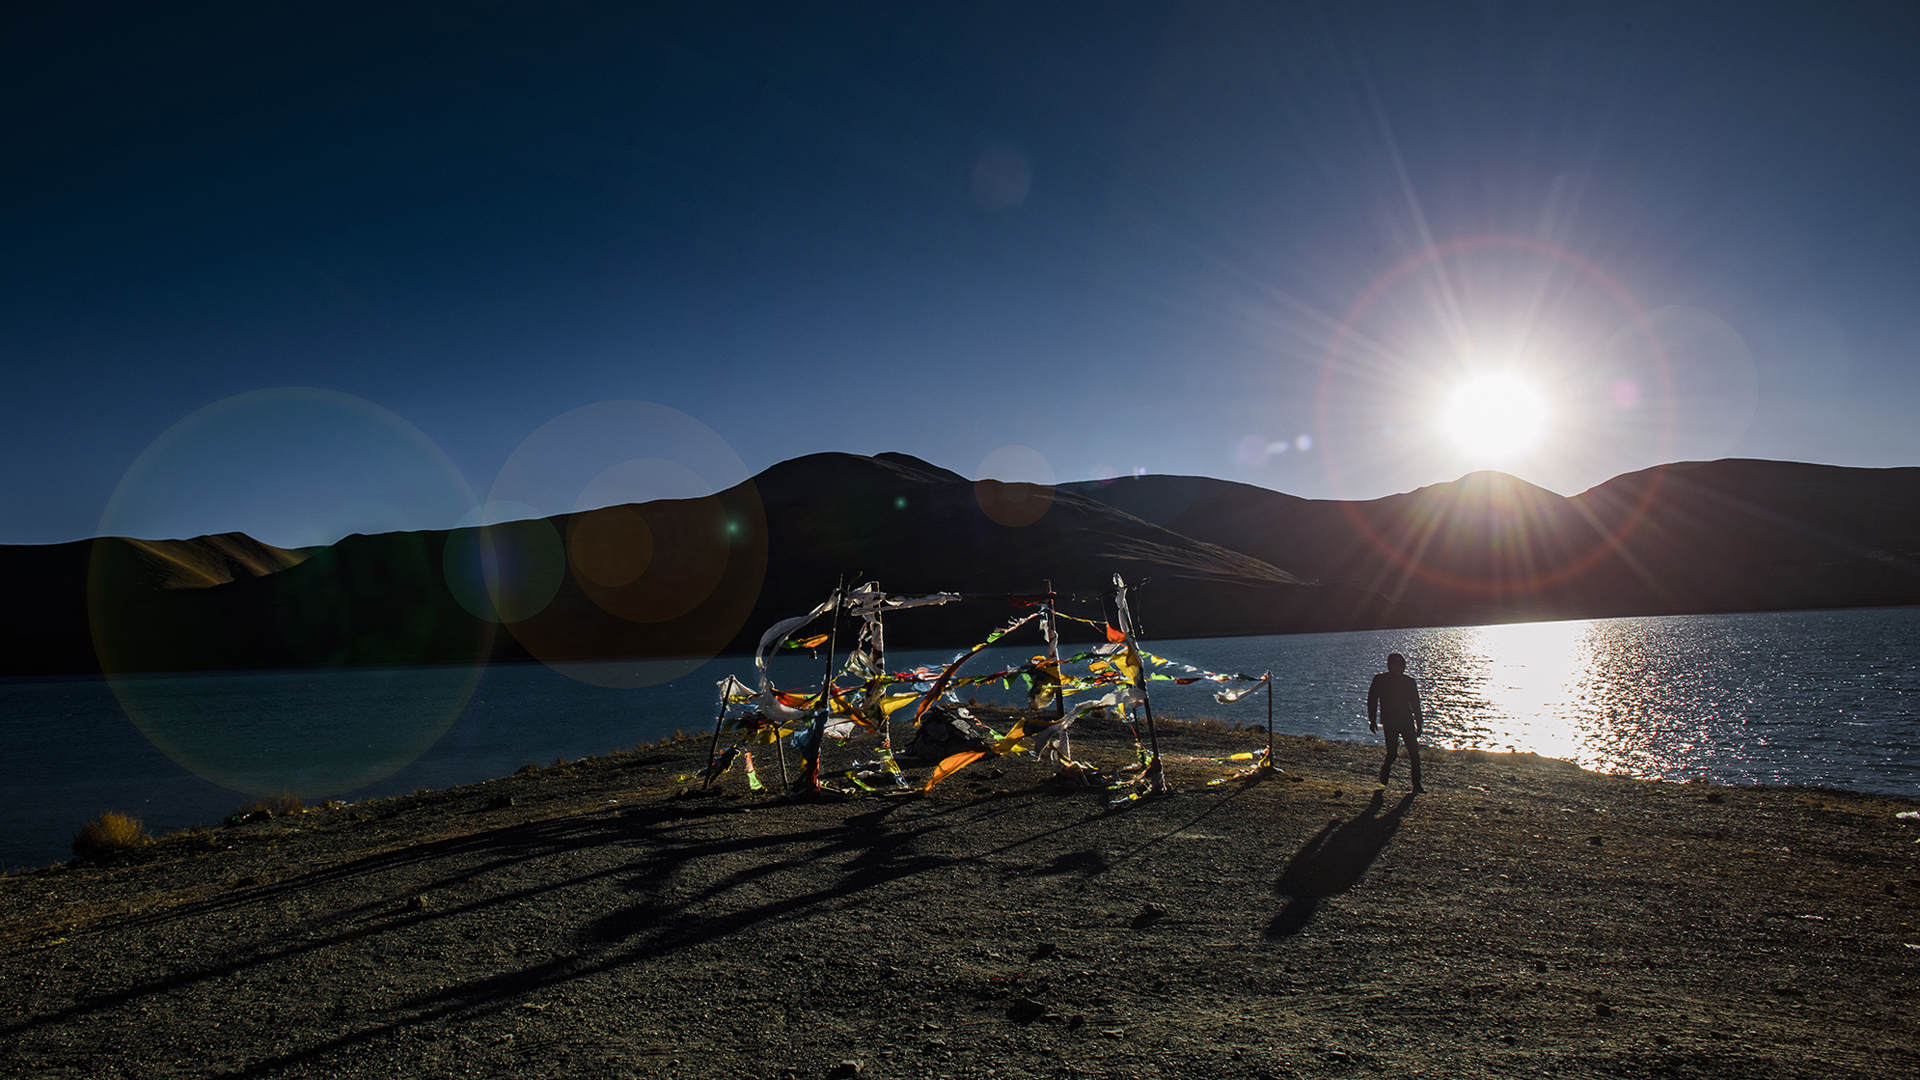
1820,697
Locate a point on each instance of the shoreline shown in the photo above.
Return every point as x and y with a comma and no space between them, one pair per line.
596,918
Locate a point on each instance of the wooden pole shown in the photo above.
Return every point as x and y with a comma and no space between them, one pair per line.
781,745
1131,628
1269,718
1053,650
1059,682
810,774
1146,702
873,687
714,747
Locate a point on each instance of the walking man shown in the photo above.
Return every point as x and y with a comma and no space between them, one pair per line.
1393,702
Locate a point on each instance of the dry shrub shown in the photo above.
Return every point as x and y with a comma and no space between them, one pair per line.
274,805
112,831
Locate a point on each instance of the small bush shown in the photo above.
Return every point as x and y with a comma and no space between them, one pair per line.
273,805
112,831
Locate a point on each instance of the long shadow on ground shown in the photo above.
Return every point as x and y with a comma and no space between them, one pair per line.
1333,861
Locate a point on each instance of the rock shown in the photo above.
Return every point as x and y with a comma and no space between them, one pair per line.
415,903
1045,951
1602,1009
1025,1011
1595,841
500,802
1149,915
846,1069
1076,1022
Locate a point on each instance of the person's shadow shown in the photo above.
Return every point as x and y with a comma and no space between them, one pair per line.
1332,862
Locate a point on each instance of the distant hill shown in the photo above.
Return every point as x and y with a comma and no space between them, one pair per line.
706,575
1733,535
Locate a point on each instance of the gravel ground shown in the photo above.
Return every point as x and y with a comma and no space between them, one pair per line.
600,919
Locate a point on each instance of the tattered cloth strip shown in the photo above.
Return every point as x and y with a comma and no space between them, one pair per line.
1228,697
1119,698
1151,778
940,685
1261,764
868,604
735,694
953,765
1116,638
868,599
777,634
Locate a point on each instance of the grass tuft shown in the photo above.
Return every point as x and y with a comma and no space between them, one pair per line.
109,833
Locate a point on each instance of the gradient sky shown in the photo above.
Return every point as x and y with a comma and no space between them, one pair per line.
1256,241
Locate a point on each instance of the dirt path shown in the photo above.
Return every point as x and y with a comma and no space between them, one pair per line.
597,919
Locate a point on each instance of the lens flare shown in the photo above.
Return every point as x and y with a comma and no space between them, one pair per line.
659,543
1015,486
305,467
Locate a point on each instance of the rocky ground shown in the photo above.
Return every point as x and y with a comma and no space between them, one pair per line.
600,919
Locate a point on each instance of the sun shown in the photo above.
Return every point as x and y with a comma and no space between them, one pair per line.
1494,416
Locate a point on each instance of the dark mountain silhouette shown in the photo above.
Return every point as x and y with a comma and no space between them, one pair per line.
1733,535
698,576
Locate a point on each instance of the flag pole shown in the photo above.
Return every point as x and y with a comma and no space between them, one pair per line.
810,772
1269,718
713,748
1129,625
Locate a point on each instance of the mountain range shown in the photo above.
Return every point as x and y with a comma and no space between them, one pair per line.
702,576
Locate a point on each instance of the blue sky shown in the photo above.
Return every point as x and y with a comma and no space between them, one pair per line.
1266,242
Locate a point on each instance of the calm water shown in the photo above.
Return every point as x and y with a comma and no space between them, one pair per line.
1830,697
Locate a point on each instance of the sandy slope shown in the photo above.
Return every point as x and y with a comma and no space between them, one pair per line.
1524,918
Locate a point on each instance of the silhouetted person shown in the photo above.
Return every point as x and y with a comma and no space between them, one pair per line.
1394,699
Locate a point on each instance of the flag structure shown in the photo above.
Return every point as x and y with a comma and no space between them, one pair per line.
860,696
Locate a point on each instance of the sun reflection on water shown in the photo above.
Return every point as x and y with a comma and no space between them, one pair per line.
1512,687
1627,696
